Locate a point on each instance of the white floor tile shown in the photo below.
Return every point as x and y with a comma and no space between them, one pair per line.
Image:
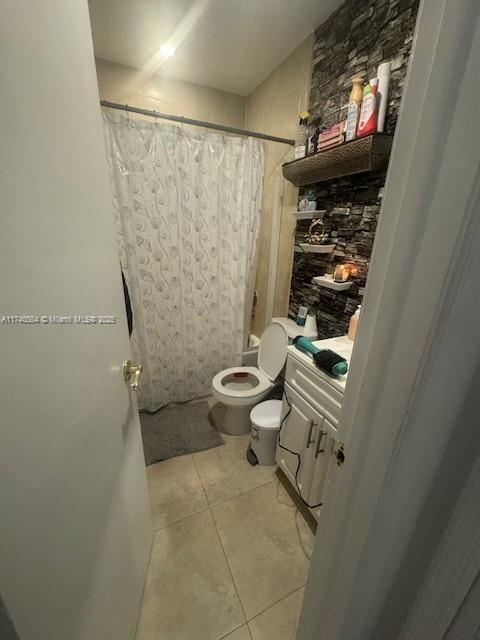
260,539
175,489
280,621
225,472
189,593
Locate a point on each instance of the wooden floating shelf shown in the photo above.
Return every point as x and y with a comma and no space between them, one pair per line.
370,153
329,283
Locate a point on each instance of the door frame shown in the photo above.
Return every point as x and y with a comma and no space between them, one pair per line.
420,313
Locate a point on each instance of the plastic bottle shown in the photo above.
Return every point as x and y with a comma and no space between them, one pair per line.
368,114
312,140
383,74
302,316
352,327
302,134
354,105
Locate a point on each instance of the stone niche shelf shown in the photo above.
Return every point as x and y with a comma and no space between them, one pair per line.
329,283
370,153
307,247
309,215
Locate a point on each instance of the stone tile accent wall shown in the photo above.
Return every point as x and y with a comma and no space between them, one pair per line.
354,40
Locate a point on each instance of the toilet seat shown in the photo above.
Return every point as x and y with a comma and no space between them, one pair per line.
241,388
249,395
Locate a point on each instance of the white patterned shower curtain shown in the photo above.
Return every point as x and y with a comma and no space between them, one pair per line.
186,215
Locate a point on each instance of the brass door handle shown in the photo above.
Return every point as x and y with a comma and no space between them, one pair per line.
132,372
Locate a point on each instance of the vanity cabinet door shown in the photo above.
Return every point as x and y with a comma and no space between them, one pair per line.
323,459
299,432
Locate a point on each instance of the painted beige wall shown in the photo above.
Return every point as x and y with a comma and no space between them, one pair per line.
119,83
273,108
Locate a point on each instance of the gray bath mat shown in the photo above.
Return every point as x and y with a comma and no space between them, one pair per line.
177,430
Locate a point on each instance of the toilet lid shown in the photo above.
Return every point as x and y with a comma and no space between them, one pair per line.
272,351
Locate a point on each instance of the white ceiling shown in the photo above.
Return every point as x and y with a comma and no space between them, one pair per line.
226,44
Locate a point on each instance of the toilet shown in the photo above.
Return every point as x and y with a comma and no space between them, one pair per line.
241,388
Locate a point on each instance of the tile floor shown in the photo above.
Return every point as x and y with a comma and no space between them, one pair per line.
230,551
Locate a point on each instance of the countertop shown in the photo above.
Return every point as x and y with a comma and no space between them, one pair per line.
341,345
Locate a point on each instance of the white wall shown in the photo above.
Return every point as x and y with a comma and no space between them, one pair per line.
119,83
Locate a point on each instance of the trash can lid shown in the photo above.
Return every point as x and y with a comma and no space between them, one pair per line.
267,414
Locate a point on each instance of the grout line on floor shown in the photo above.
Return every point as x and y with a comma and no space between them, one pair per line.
230,571
264,484
209,505
140,608
244,624
190,515
225,555
202,484
276,602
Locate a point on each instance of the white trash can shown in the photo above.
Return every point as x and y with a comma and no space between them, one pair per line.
265,424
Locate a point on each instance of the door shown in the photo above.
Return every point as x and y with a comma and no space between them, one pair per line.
388,562
299,433
76,533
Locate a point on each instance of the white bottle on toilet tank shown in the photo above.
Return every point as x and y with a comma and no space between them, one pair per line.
352,327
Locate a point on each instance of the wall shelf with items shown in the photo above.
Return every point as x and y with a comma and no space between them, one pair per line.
370,153
329,283
309,215
306,247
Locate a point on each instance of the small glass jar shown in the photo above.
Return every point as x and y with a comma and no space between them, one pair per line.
341,273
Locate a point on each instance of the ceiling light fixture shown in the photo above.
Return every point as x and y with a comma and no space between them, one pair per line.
167,50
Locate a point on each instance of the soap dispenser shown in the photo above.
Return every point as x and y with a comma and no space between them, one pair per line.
352,327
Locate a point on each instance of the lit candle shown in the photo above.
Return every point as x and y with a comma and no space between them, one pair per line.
341,273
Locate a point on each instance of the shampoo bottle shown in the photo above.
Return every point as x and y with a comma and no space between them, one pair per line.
368,115
354,105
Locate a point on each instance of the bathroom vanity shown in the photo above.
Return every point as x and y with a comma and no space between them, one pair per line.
313,401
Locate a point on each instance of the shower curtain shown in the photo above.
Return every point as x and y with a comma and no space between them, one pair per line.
187,216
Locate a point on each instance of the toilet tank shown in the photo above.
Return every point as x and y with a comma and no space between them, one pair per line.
250,353
293,329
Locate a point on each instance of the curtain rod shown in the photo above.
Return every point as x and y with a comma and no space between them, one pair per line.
197,123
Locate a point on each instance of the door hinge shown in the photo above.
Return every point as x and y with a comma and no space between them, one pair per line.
339,453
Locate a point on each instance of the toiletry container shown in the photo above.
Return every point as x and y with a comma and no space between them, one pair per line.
368,114
302,316
302,134
383,74
310,328
352,327
312,140
354,106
